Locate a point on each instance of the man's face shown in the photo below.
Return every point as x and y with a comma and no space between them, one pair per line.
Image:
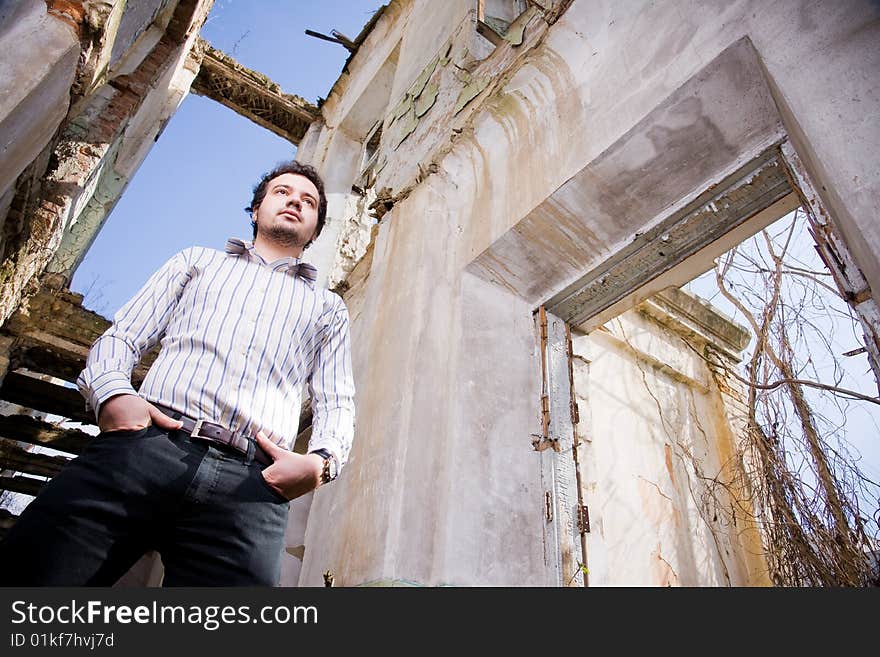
288,214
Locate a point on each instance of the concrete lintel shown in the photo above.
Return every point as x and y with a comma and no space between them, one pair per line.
691,316
721,118
253,95
721,209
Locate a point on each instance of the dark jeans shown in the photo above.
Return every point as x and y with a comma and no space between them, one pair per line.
209,513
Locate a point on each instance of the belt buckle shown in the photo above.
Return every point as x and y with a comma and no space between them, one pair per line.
198,427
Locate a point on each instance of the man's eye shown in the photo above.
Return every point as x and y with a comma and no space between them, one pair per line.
281,190
310,202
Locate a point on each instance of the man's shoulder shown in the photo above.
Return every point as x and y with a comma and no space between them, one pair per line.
334,308
332,300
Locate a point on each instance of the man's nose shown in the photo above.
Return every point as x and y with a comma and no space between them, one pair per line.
295,202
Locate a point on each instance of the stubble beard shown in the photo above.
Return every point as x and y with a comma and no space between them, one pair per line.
284,235
287,238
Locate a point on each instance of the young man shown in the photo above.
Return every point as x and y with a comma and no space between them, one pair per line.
197,463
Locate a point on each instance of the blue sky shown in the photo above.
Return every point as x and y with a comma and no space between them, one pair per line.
194,184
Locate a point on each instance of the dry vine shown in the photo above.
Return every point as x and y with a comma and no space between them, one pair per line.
808,489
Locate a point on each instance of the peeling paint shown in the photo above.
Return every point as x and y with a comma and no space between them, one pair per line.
423,78
408,126
427,99
471,91
667,452
515,34
402,108
444,61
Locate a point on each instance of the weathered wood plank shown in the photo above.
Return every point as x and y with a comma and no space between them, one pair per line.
54,359
7,519
45,360
45,396
37,432
54,333
24,485
18,459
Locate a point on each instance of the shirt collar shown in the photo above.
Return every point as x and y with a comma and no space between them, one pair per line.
304,270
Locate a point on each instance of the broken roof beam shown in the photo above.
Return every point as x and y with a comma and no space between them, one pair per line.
45,396
16,459
53,333
26,429
253,95
337,37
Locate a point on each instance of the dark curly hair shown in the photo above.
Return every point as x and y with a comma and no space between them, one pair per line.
299,169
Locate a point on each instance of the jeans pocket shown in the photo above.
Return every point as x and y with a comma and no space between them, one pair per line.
125,432
276,496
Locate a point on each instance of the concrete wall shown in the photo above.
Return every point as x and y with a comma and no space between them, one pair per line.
443,484
657,458
34,84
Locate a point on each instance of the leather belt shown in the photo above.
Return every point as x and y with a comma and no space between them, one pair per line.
215,433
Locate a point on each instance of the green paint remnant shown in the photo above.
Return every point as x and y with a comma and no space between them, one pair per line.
514,35
427,99
471,91
404,106
447,54
408,125
7,270
423,78
463,76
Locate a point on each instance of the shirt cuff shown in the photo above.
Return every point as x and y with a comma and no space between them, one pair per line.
107,385
332,446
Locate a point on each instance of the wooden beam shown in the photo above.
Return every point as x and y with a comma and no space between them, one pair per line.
49,359
53,336
18,459
45,396
253,95
59,313
37,432
7,519
24,485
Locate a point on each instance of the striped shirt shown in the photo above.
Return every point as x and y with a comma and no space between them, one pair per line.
240,337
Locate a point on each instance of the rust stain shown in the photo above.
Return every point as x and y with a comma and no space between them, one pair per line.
69,12
661,570
668,450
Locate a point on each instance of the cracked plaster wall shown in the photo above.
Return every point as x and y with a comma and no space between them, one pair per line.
35,84
655,434
442,474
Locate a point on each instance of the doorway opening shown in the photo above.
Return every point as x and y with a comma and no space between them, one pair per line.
725,395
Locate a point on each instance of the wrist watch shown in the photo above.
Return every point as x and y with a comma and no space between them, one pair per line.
330,469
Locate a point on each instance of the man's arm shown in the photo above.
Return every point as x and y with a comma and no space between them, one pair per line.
136,328
332,391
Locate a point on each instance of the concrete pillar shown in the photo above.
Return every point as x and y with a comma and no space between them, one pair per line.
34,83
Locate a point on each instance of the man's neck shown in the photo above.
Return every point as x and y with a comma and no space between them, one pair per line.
270,251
